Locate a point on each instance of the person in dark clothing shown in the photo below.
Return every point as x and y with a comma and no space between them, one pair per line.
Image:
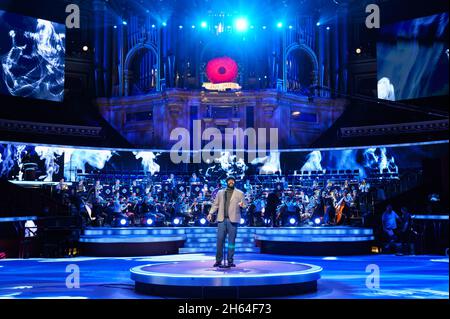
271,207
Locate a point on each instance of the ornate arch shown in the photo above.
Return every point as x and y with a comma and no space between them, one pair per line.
130,57
310,53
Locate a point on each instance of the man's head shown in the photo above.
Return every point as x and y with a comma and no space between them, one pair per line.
230,182
389,208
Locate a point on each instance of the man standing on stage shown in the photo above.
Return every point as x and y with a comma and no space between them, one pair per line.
228,203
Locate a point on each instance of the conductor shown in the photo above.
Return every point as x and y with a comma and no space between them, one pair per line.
228,203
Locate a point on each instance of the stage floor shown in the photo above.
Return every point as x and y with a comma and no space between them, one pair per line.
413,277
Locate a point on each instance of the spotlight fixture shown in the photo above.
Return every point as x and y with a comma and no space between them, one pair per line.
115,27
328,28
279,25
290,27
164,24
264,27
193,26
242,221
241,24
149,221
358,51
85,48
176,221
317,221
292,221
296,113
124,22
123,221
203,24
180,27
318,23
153,26
202,221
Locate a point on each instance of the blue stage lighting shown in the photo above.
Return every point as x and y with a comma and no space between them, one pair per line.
241,24
242,221
203,24
318,23
123,221
317,221
115,27
264,27
149,221
124,22
180,27
153,26
164,24
266,221
279,25
202,221
290,27
176,221
193,27
328,28
292,221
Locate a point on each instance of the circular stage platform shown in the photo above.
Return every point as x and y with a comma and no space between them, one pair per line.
249,279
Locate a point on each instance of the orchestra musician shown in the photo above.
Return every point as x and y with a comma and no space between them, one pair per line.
81,189
61,186
116,186
194,179
272,203
303,202
248,187
172,180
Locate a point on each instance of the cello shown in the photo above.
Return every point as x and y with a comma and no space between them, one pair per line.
339,208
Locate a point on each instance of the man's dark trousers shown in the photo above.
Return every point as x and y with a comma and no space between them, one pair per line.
223,229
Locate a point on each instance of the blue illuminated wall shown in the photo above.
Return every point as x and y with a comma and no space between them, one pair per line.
32,54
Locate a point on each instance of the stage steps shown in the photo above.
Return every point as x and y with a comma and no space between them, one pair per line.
203,240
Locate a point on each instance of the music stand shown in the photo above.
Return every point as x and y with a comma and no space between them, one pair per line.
225,258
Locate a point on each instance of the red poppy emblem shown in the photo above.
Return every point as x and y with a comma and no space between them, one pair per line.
221,70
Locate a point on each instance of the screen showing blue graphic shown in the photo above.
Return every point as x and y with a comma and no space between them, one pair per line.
413,58
32,54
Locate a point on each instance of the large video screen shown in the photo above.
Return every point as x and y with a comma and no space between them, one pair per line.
32,54
413,58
